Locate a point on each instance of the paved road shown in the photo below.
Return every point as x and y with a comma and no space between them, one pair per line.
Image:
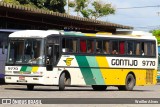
19,91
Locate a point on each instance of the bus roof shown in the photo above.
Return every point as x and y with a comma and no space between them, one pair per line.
33,33
8,30
45,33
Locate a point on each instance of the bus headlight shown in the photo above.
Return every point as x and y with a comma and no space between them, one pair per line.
8,72
8,77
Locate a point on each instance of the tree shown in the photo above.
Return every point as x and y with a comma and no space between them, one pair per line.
100,10
28,3
52,5
80,5
38,3
24,1
55,5
71,4
97,10
11,2
156,33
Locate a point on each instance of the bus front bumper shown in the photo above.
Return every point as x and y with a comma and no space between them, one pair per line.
23,79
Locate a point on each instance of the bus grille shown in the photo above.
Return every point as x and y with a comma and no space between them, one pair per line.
149,76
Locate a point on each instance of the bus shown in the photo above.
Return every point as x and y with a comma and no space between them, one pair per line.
158,74
4,33
59,58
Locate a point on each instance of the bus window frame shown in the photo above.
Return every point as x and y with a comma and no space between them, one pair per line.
110,39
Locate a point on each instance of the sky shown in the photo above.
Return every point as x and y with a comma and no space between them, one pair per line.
144,19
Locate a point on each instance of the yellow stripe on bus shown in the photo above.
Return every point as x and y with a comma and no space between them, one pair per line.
102,62
35,69
90,34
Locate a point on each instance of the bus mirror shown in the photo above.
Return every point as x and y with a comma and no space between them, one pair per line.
3,49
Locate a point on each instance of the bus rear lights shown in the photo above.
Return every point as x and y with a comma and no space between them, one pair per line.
35,78
8,77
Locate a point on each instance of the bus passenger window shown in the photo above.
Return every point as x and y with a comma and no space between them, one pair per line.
121,47
90,46
137,47
114,47
144,48
69,45
152,50
98,46
83,47
106,47
130,48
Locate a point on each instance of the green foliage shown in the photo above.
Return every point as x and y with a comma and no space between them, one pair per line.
156,33
24,1
38,3
52,5
55,5
71,4
99,9
85,13
11,2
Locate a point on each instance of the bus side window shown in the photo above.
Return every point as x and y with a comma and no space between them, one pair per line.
106,47
74,45
153,50
98,46
130,48
83,47
122,47
90,46
137,47
69,45
114,47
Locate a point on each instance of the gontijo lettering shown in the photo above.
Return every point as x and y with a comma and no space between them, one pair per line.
124,62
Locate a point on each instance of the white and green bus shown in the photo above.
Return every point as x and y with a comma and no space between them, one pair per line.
37,57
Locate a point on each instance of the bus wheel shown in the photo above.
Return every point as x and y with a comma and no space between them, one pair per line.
99,87
30,87
129,83
64,80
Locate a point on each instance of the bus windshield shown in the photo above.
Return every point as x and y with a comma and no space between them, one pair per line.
26,51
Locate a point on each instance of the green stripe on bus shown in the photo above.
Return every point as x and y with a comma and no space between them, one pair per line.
29,68
23,68
85,69
73,34
95,71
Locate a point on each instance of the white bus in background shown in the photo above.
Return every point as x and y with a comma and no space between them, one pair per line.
37,57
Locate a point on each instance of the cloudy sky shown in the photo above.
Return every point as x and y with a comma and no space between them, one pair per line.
144,18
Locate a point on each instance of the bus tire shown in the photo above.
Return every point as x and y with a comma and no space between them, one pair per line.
99,87
30,87
64,80
129,83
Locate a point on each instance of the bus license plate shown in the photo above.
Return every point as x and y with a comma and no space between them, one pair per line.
22,79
